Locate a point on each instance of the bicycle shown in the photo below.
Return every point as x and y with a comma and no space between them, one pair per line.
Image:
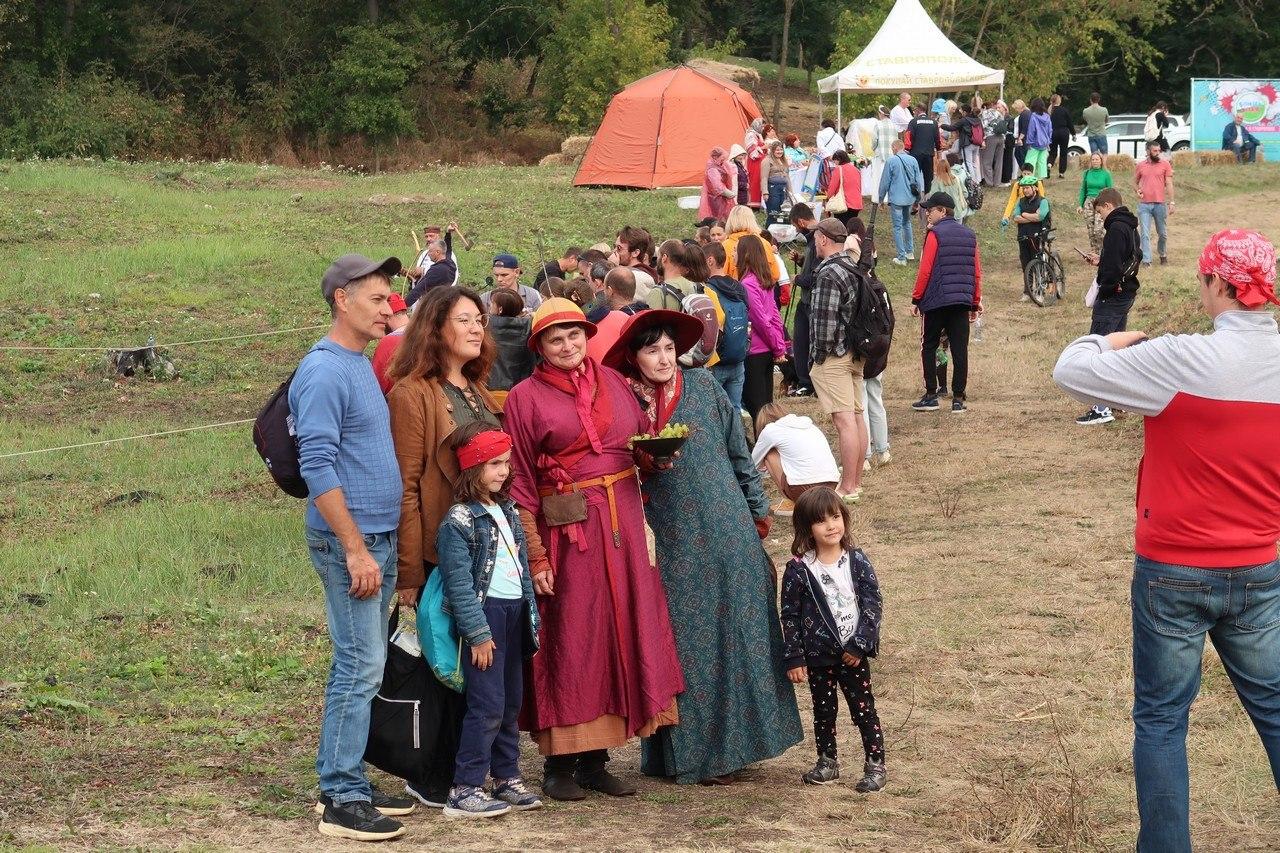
1045,277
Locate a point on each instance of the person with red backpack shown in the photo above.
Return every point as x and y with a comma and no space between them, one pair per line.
948,294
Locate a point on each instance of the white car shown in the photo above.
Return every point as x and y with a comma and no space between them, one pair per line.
1125,135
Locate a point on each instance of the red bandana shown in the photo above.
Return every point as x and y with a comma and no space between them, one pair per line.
1244,259
482,448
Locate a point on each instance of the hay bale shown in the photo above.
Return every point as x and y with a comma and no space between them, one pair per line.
575,146
1120,163
554,159
1182,159
1216,158
748,77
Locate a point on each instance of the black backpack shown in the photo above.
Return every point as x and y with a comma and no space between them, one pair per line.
276,438
972,193
870,331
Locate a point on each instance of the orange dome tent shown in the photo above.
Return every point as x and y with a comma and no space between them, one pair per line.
658,131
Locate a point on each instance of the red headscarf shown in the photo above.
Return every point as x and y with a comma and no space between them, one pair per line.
482,448
1244,259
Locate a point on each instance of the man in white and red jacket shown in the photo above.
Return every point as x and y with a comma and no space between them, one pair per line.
1208,512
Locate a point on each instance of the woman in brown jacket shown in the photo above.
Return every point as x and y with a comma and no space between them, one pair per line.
438,374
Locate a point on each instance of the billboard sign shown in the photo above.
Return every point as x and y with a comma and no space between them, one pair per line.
1214,104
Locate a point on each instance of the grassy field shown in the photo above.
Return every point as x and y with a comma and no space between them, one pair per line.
164,643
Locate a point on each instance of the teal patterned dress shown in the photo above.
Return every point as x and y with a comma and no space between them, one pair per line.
738,706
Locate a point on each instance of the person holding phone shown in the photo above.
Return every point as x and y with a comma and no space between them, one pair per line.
1116,282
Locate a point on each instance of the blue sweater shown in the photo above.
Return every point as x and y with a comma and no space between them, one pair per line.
344,437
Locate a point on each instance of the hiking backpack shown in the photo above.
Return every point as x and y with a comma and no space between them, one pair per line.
275,435
870,331
735,337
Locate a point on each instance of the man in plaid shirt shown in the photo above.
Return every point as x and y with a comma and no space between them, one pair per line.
836,374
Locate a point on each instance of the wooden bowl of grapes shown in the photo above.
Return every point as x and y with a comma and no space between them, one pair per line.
665,444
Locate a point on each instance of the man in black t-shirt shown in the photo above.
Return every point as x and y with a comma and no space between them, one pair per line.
557,269
923,132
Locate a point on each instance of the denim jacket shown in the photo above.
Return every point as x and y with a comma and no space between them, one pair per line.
809,633
468,544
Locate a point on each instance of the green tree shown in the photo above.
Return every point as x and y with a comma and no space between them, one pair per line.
369,74
600,46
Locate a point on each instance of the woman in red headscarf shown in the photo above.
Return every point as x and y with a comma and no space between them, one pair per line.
607,670
709,513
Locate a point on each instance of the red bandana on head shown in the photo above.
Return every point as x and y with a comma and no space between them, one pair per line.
1244,259
482,448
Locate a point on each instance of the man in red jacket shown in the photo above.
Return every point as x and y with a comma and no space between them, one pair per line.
1208,515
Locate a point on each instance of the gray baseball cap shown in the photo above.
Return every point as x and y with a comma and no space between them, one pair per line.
348,268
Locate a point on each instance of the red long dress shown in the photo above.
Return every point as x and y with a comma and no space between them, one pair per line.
607,669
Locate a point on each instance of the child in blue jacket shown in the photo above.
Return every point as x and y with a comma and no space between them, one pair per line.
487,588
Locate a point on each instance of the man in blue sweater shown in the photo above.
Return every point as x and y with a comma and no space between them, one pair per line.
349,463
948,293
901,188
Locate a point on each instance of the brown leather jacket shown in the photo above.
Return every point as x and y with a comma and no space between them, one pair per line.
421,423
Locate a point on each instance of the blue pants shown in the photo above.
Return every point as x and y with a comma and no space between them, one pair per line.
903,236
358,632
1174,607
777,192
1246,153
1149,212
1098,144
490,734
731,377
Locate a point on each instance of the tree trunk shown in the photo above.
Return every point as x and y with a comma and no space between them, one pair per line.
68,17
782,62
373,11
533,77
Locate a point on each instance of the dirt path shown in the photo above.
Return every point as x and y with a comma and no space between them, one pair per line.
1003,540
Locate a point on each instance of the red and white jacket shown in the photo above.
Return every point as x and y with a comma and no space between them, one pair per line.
1209,481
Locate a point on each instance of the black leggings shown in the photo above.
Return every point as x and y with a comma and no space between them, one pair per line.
855,683
1058,150
757,383
954,320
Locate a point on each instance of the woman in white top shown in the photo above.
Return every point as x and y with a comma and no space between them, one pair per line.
829,141
795,454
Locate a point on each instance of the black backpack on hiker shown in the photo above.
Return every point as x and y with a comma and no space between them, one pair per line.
870,332
276,438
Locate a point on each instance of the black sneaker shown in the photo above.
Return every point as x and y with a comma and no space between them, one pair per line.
873,778
927,403
958,406
1095,417
358,821
826,771
943,392
385,803
430,798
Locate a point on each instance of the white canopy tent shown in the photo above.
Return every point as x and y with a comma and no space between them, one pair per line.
910,54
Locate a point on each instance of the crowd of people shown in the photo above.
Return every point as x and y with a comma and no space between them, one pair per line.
600,592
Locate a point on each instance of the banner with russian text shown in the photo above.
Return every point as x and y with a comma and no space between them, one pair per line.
1214,104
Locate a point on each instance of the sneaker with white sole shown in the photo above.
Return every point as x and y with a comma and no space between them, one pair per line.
881,459
927,403
1096,417
958,407
902,262
468,802
385,803
826,771
358,821
516,794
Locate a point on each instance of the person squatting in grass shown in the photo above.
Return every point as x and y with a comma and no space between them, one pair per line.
831,609
1208,515
347,458
489,591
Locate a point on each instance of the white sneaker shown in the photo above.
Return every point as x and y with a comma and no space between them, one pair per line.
881,459
911,257
1025,298
900,262
866,464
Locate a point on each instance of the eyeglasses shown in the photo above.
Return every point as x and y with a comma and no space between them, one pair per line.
468,320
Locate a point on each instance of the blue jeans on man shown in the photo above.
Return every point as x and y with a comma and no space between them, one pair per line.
1174,607
1149,212
1246,152
358,633
731,377
903,235
1098,144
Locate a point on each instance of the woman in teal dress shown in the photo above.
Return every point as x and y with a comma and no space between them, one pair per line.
709,513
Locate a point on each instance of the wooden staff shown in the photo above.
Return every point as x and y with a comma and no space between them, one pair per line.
417,247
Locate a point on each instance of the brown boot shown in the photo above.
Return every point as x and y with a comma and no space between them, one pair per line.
557,779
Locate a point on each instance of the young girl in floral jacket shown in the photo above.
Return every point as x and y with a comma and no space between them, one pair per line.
830,626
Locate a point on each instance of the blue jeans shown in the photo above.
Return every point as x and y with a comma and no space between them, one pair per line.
1149,212
730,377
777,192
1098,144
1174,607
903,236
490,734
358,633
1247,153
